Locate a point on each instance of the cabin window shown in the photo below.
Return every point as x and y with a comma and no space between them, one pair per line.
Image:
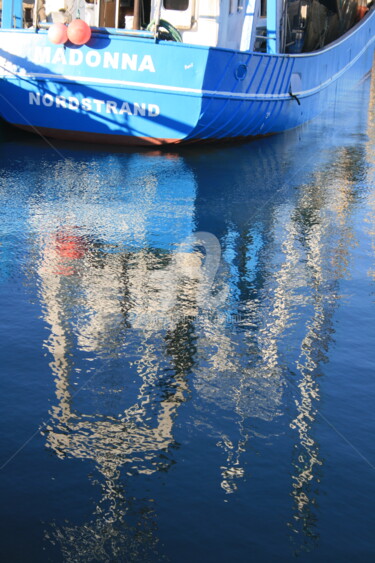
180,5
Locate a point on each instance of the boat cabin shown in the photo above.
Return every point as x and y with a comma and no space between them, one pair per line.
271,26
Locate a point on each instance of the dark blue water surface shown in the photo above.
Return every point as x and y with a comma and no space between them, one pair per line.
187,348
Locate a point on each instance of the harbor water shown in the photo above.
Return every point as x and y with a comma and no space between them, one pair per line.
187,347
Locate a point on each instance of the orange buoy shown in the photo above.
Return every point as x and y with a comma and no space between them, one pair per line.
79,32
58,33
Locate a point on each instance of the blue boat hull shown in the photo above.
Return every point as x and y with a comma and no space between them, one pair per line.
133,90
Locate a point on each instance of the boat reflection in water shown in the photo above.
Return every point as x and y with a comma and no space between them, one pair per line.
113,294
147,320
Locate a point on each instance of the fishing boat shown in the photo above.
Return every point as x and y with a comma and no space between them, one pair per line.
143,72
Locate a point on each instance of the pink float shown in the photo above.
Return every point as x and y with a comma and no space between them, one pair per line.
58,33
79,32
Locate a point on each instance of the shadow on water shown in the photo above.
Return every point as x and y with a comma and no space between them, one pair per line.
143,338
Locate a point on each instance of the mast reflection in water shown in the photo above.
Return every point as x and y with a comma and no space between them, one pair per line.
190,301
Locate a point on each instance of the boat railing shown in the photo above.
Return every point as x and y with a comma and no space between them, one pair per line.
106,31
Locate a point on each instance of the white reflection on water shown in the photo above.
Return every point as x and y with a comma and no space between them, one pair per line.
105,299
